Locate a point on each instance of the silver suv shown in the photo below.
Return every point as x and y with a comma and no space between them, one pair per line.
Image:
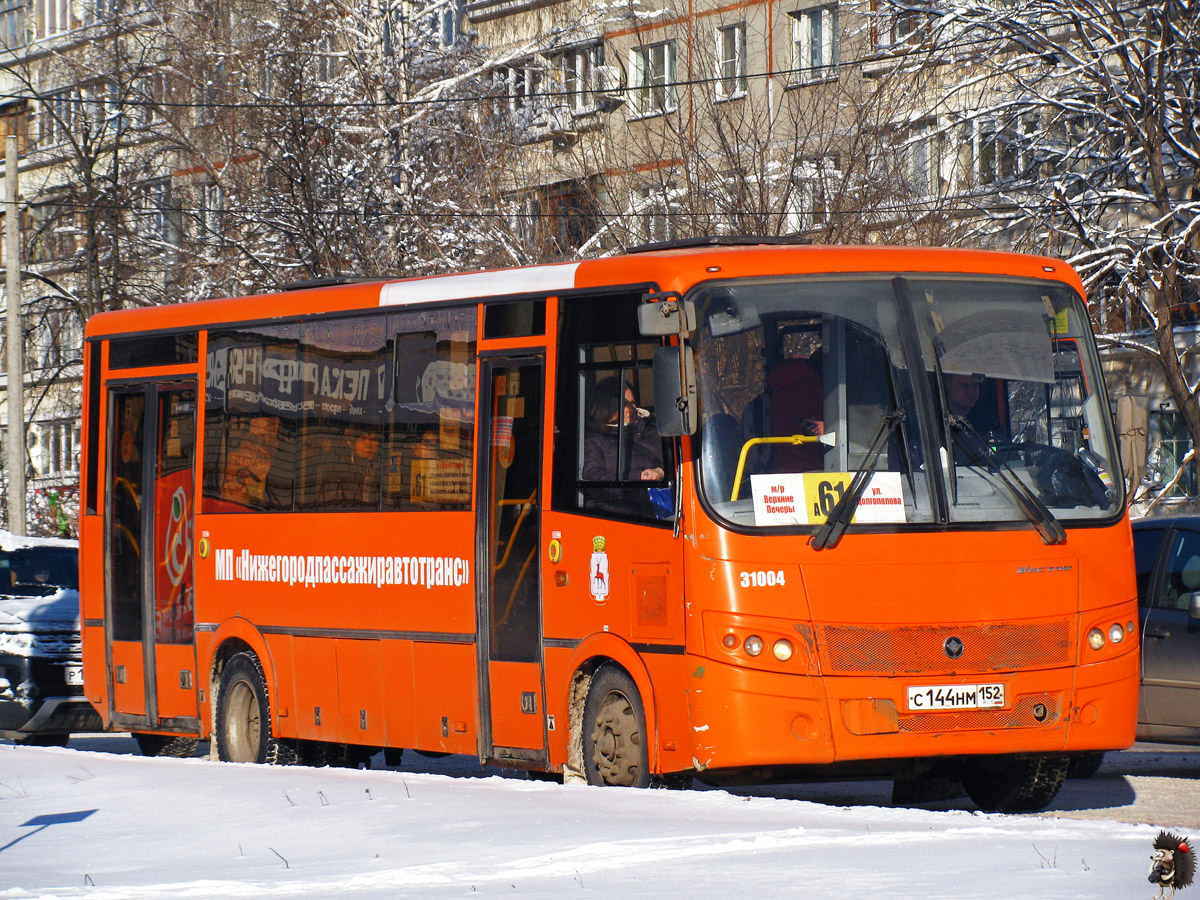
41,674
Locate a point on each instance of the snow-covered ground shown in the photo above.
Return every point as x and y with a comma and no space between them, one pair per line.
79,824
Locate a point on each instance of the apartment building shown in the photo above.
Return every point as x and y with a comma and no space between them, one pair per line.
179,149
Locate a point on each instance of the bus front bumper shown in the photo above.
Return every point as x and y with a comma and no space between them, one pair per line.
750,718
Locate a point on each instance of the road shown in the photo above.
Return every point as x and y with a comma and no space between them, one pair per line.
1157,784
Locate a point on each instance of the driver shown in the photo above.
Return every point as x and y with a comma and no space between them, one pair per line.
962,393
962,396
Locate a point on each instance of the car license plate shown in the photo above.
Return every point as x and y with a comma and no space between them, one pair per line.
955,696
75,675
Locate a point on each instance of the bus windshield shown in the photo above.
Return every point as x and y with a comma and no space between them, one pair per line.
804,382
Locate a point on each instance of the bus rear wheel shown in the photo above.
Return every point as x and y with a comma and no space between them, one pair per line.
175,746
1012,784
243,726
614,731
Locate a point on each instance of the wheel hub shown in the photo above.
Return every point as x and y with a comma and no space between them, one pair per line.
616,741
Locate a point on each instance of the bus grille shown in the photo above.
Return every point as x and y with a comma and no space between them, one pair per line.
863,650
1023,715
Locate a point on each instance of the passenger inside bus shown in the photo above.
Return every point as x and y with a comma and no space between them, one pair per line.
247,468
354,480
792,404
608,409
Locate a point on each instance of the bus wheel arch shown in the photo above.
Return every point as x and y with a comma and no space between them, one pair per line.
236,636
243,729
614,738
587,658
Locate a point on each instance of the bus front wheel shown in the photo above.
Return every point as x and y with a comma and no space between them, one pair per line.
1012,784
243,726
614,731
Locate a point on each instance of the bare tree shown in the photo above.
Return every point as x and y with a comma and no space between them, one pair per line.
1080,121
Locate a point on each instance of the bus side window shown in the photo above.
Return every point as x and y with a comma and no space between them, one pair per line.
429,445
342,372
249,419
609,459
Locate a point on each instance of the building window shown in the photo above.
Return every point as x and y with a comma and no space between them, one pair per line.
578,73
992,152
519,85
905,27
731,61
327,59
102,10
444,21
54,236
921,160
210,210
161,214
54,447
524,219
100,108
144,99
56,117
807,202
657,210
12,23
14,119
815,43
653,79
54,17
1167,446
57,335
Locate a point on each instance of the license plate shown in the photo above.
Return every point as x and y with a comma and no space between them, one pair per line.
955,696
75,675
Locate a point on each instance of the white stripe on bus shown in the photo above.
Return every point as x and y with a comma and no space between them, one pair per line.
532,280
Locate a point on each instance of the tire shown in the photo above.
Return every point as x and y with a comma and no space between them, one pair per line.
1013,784
674,781
1085,765
614,731
43,740
323,754
175,746
243,727
925,789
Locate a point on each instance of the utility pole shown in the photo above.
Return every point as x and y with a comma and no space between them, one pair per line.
15,394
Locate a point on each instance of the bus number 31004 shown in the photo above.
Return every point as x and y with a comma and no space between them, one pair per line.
763,579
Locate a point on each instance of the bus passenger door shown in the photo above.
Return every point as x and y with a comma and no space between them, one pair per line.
509,613
149,507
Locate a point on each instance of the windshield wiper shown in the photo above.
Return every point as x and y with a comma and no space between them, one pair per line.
839,517
1029,503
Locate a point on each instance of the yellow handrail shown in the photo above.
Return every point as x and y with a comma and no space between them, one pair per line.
525,505
792,439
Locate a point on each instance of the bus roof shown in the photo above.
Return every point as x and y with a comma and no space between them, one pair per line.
668,269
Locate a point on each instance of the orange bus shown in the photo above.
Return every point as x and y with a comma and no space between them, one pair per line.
722,508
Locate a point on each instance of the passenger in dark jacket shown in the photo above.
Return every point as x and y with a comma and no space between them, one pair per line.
606,410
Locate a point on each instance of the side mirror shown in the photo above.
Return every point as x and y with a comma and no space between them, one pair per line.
666,314
1194,604
675,390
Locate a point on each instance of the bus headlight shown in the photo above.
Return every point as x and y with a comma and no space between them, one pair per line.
753,645
1116,634
782,649
1095,638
